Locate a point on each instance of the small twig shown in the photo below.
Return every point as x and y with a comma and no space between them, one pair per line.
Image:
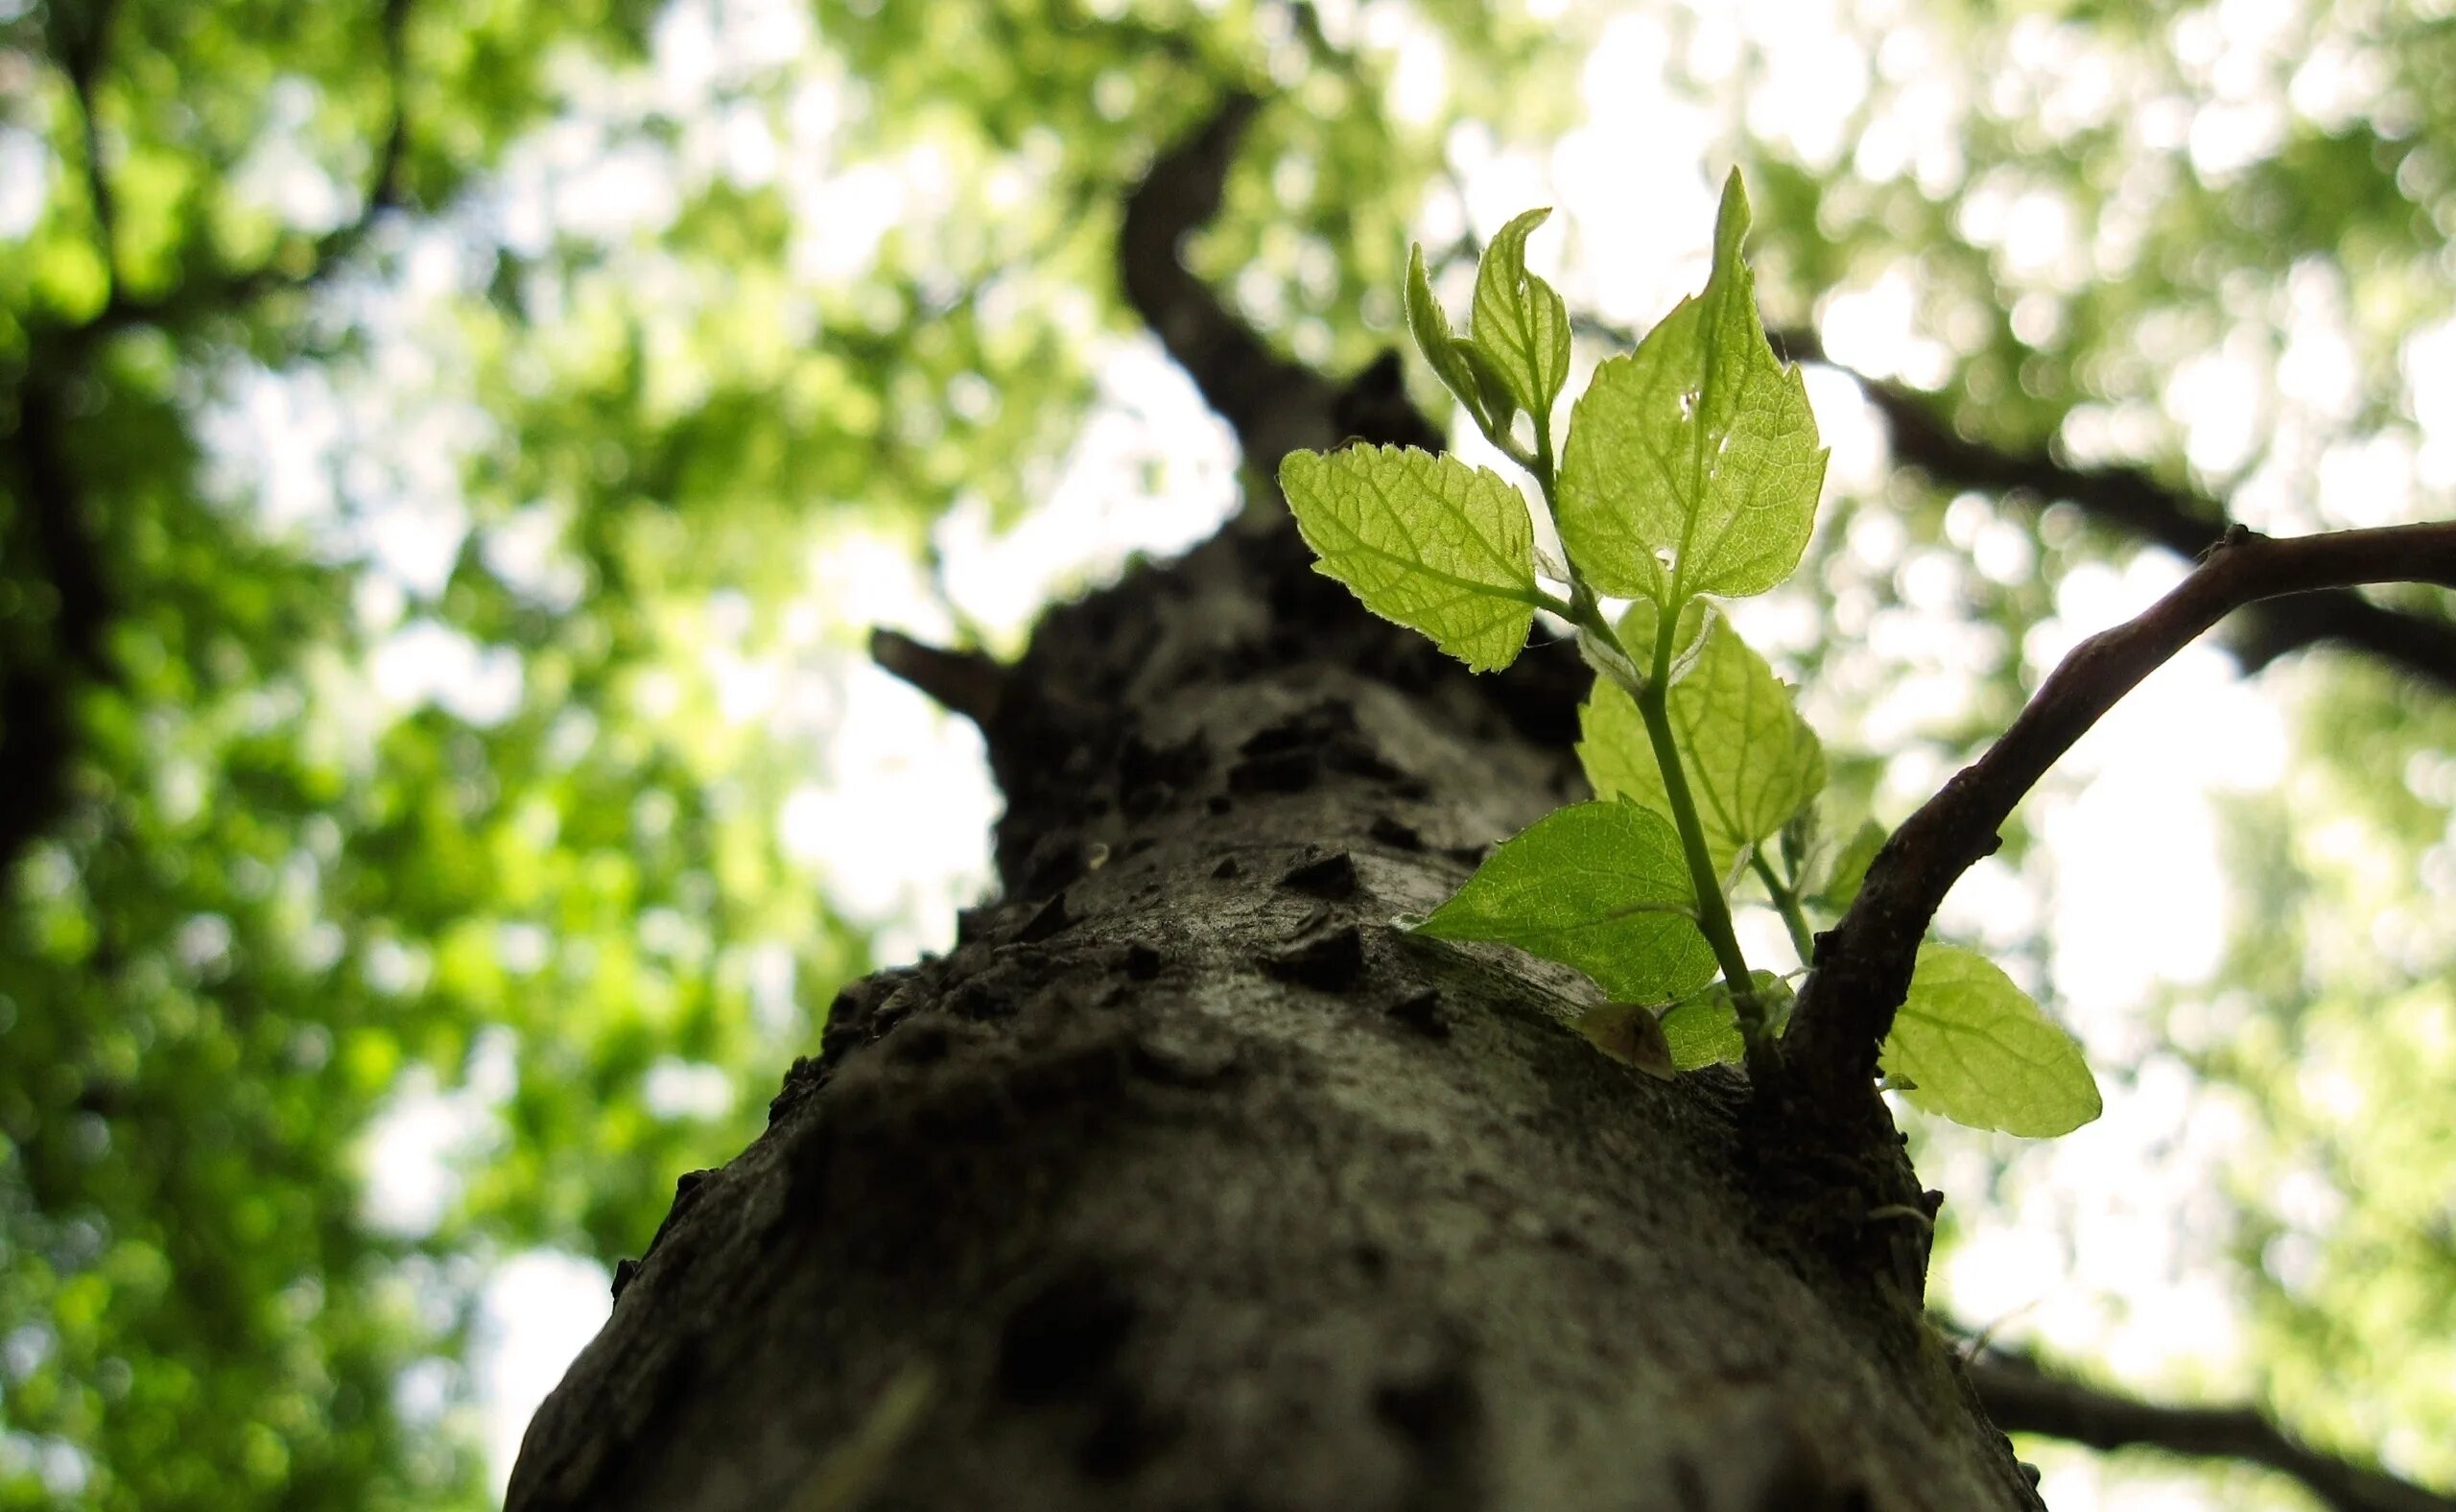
1863,963
967,682
2024,1399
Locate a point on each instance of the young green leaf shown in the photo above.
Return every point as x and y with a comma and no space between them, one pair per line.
1838,886
1428,541
1521,324
1977,1051
1447,354
1601,886
1692,465
1703,1028
1752,762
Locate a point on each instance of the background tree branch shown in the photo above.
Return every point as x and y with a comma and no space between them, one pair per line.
79,39
2132,500
2023,1397
1274,405
235,289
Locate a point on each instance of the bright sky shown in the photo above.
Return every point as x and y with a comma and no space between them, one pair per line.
2092,1246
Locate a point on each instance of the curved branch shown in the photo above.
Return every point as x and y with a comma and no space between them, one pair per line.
2024,1399
1863,963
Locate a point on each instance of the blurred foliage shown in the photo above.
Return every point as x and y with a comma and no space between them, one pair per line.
435,429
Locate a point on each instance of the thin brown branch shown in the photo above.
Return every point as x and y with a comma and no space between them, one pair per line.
2024,1399
1863,963
966,682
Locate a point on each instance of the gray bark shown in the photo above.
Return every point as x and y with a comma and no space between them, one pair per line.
1186,1181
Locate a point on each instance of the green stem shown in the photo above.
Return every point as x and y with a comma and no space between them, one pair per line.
1713,915
1786,903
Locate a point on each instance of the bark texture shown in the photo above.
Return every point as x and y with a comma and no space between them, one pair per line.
1188,1182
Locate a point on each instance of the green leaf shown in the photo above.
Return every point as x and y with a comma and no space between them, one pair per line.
1839,887
1703,1028
1692,465
1752,761
1976,1048
1447,354
1600,887
1521,324
1428,541
1499,406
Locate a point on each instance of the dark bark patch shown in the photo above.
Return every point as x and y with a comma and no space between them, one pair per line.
1302,731
1062,1340
625,1272
1055,860
1435,1412
921,1043
1471,854
985,997
1219,803
1395,835
1140,765
1422,1013
1141,962
1142,802
1128,1434
1227,869
1278,772
1327,962
802,1079
1332,876
1046,920
1353,756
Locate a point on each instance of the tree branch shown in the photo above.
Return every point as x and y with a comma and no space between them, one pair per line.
79,37
1863,963
2021,1397
1274,405
2134,502
247,286
38,692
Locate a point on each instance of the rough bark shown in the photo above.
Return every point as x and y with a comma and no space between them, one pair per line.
1186,1181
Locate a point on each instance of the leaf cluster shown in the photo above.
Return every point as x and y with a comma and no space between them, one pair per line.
1689,477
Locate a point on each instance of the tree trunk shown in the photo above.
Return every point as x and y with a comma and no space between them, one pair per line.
1186,1181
